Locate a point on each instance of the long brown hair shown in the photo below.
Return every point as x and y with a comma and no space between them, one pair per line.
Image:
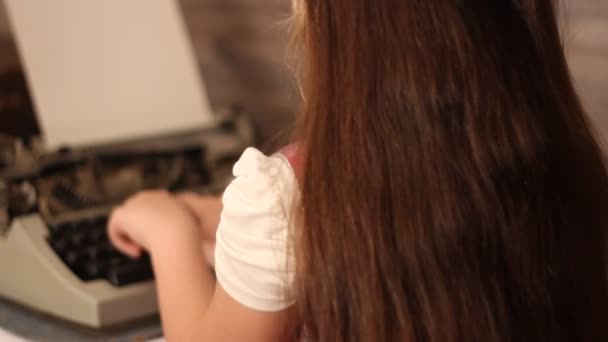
453,189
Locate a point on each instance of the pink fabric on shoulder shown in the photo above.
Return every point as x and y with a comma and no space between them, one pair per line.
293,157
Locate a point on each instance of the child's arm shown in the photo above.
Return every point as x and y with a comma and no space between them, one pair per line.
193,307
207,210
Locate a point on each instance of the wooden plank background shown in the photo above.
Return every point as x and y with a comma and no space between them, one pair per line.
241,48
586,41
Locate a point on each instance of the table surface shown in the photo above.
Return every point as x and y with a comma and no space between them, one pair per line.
37,327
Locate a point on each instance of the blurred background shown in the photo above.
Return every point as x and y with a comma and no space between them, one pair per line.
586,41
241,48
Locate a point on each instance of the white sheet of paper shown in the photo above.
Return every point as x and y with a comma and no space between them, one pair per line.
102,71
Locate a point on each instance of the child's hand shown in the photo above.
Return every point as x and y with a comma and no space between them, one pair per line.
207,210
150,218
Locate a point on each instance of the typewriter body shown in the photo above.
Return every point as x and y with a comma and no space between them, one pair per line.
55,256
120,108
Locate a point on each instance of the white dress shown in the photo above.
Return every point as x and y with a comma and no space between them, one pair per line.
253,262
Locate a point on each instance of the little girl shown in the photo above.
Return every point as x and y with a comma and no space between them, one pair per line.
445,186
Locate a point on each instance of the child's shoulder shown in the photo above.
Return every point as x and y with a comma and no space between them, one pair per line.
267,184
252,239
278,167
293,155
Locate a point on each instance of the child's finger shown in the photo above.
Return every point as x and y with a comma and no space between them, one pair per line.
120,239
124,244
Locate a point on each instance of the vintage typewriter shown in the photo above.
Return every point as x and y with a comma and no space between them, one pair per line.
120,108
55,255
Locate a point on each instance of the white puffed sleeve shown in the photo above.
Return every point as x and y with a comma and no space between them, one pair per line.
252,260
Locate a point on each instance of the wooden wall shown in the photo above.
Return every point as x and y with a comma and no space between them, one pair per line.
586,39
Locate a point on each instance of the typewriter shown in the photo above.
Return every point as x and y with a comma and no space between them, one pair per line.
121,108
55,256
